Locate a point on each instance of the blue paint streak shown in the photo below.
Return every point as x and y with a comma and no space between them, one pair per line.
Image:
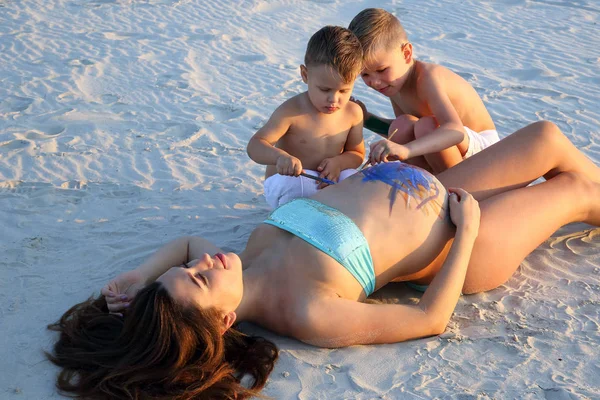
405,178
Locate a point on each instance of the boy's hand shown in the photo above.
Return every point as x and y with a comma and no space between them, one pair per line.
288,165
464,211
329,168
120,291
362,105
385,150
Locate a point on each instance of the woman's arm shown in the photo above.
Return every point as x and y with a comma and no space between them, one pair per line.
123,288
176,252
339,322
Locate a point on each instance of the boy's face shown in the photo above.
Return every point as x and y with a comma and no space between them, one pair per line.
388,70
327,90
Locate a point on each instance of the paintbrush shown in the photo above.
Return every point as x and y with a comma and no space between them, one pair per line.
366,162
318,178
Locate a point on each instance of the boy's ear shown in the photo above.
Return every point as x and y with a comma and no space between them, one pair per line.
304,73
407,52
228,320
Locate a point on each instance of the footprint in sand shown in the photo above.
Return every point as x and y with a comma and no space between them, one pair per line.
203,37
558,394
531,74
457,36
76,62
451,36
45,132
97,3
113,191
171,82
224,112
251,58
74,185
109,99
230,183
12,104
17,144
467,76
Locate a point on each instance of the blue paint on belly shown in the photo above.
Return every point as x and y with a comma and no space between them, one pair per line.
413,182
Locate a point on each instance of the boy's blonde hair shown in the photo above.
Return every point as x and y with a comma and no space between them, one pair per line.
377,29
338,48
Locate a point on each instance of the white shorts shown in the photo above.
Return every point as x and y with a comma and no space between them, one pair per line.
280,189
479,141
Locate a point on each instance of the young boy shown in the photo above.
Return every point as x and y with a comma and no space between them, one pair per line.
439,115
318,132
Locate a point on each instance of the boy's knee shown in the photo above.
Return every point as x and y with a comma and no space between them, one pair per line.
403,122
402,128
425,126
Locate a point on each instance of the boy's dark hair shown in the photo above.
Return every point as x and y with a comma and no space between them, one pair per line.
377,29
338,48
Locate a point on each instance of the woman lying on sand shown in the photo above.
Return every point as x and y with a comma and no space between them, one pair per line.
306,271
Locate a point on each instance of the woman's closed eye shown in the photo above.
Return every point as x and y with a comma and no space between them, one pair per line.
197,275
202,278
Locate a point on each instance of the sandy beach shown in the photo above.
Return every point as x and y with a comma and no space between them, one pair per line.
124,124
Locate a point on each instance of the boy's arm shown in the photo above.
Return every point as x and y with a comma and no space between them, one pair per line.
261,147
450,131
351,157
354,149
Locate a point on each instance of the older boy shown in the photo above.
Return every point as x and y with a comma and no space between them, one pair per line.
439,115
318,131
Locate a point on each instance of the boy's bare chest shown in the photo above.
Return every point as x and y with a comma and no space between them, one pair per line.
410,104
325,129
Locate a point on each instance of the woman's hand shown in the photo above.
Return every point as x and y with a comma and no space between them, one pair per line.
120,291
464,211
385,150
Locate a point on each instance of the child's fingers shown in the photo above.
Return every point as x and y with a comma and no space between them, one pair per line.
380,152
375,144
322,166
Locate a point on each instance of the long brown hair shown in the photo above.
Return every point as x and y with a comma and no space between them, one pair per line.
157,350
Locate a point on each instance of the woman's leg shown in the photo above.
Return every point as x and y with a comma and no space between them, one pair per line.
514,223
539,149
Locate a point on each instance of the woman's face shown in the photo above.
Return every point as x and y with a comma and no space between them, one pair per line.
210,281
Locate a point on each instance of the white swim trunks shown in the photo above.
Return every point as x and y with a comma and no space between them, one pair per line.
279,189
479,141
